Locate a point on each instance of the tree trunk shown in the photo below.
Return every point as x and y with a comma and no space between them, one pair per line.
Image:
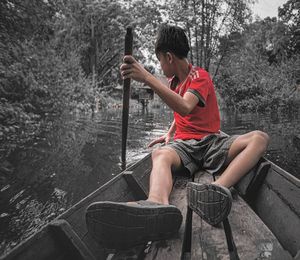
202,32
93,53
190,42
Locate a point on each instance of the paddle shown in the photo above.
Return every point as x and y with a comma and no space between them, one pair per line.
126,96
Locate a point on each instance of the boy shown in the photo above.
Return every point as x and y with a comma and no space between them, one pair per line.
197,143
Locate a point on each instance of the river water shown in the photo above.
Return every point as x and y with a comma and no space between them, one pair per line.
82,152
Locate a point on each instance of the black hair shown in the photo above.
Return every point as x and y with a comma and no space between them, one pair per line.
172,39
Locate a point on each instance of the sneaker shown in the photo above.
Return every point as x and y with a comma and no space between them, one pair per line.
211,202
119,225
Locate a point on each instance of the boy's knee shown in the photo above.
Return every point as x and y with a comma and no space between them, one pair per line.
262,136
262,139
156,153
159,153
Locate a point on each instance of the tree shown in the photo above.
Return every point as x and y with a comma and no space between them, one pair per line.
146,16
289,13
256,72
206,21
94,29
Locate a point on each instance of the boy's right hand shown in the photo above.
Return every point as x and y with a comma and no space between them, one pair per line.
134,70
163,139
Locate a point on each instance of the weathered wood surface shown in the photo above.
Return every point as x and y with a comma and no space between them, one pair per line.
252,237
141,174
55,241
251,182
138,191
117,189
278,204
31,249
69,240
208,242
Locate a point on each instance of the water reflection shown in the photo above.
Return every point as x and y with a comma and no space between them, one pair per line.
60,167
81,153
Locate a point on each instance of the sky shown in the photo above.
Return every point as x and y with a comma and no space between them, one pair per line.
264,8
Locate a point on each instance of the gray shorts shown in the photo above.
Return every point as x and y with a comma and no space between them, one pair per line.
209,153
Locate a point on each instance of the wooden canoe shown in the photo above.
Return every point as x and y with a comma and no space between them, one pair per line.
264,222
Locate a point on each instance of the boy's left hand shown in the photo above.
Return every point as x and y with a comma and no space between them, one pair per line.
134,70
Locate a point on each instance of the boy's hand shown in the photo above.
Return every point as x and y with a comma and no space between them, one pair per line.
134,70
163,139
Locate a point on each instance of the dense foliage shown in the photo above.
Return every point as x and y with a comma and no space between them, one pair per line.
64,54
260,66
45,60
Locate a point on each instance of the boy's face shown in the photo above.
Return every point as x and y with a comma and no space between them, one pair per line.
165,60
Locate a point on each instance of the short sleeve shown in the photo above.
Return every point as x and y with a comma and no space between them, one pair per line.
199,86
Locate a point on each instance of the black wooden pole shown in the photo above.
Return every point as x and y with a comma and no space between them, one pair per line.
126,96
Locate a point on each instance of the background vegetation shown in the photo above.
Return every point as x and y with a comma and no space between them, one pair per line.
61,55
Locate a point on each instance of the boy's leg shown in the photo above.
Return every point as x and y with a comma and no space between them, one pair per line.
163,161
121,225
212,202
243,155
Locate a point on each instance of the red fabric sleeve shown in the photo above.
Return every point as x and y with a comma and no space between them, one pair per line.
200,86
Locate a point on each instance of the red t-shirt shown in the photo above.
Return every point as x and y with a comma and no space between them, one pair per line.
205,117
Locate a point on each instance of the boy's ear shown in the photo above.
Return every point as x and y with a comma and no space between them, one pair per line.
170,57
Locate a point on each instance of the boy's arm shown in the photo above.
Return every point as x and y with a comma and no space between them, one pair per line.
172,128
182,105
166,137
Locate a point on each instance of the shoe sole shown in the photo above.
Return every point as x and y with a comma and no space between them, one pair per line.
121,226
211,202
